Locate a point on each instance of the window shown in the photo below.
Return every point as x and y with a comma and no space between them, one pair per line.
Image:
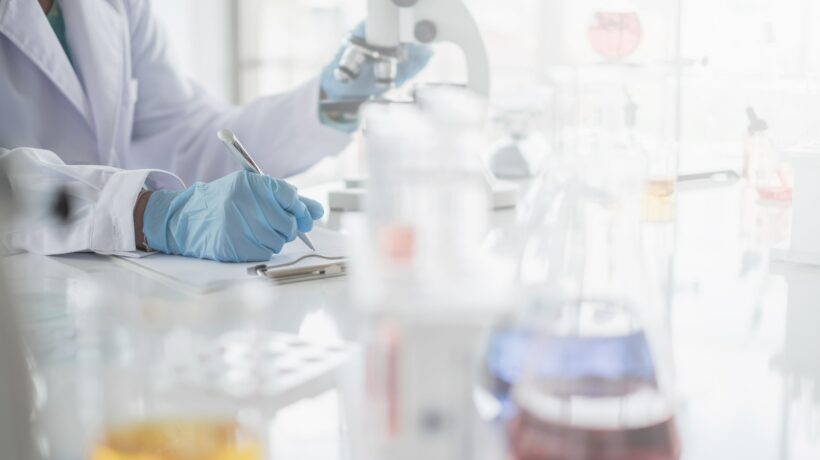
698,63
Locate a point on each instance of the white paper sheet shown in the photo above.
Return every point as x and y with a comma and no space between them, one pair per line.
204,275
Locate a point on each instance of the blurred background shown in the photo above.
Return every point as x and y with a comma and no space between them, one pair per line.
695,65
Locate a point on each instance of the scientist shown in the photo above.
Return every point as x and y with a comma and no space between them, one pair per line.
90,101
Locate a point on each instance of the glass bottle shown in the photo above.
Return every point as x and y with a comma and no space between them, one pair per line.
422,281
761,163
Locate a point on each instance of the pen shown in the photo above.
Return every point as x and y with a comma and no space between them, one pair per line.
235,147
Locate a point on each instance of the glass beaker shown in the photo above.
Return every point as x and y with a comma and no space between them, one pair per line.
598,378
177,379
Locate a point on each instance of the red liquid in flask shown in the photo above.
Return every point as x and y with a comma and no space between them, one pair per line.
629,421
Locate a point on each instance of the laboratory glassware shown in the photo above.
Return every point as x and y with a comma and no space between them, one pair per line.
615,68
174,376
598,378
658,197
427,205
522,148
762,164
425,287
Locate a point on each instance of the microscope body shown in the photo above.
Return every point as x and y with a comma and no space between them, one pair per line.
391,24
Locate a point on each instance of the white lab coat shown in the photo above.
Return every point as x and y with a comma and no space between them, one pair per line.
122,117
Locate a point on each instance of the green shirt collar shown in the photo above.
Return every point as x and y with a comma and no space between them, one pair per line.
55,18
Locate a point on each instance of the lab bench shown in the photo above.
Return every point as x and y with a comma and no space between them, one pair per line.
747,357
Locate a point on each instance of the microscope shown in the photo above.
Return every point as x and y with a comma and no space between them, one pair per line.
392,24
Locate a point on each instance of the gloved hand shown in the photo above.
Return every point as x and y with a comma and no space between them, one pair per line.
365,86
243,217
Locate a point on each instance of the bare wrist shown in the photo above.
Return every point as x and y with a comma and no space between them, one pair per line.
139,218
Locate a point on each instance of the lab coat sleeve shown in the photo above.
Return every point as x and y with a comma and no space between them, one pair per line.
102,204
175,121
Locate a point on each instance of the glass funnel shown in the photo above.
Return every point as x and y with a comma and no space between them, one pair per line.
597,380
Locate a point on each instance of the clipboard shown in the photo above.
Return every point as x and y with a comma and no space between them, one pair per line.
296,263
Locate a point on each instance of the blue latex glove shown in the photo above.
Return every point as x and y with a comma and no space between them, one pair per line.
243,217
365,86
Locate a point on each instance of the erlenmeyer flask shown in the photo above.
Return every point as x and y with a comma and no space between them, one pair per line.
597,383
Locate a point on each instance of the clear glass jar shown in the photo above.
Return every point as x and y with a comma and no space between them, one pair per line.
176,380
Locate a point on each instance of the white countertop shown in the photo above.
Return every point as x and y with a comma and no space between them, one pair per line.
745,336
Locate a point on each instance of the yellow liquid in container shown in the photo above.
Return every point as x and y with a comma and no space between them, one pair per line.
177,440
658,200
